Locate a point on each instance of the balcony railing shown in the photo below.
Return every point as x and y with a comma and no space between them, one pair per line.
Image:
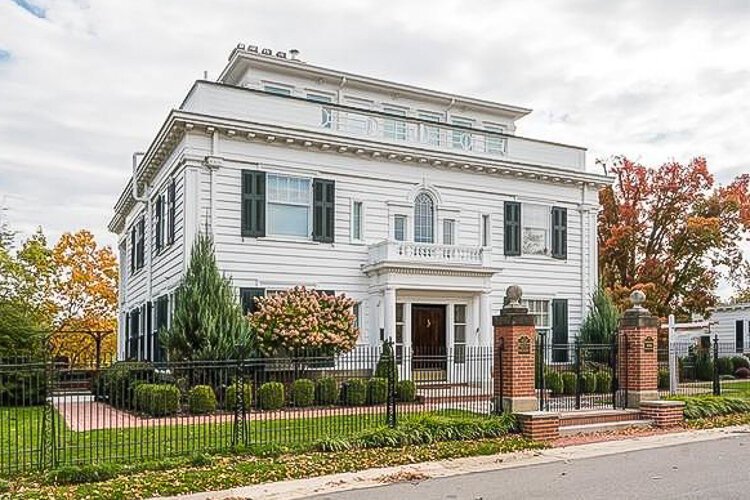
345,121
426,133
426,253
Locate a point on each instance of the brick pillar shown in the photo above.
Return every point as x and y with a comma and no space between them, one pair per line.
515,347
637,364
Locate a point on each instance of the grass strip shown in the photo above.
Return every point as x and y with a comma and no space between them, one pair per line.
234,471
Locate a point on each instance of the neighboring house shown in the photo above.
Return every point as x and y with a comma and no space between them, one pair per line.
732,324
423,206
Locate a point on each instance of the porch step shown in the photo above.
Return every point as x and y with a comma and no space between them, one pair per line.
572,430
593,417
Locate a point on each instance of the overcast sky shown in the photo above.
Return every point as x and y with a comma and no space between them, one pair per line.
84,83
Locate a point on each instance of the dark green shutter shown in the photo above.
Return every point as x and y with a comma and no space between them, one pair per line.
141,247
512,233
132,249
253,203
324,202
247,298
159,224
559,233
172,194
560,330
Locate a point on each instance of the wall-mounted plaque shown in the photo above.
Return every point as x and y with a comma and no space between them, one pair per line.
524,345
648,344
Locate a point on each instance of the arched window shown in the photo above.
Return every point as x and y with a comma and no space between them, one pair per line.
424,219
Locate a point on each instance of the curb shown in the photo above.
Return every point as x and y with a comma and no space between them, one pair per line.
371,478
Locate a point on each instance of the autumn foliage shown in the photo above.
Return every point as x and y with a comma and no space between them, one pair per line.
673,233
301,319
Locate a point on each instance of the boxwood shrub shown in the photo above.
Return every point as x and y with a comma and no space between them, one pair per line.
157,400
587,382
569,383
406,391
725,365
663,381
118,382
354,392
553,382
377,391
271,396
740,362
327,391
201,400
603,382
303,392
230,396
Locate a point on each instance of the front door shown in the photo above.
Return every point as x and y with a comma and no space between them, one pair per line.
428,338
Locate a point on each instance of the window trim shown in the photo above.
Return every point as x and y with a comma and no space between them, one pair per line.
452,222
309,205
352,236
433,222
547,229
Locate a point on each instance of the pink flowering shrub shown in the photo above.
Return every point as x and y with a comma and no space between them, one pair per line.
302,319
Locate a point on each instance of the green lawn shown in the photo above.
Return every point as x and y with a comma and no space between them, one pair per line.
21,442
737,389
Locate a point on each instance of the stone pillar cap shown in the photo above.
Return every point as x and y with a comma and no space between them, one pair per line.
637,298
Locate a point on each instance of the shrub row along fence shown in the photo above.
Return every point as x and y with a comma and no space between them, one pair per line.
52,414
703,366
574,376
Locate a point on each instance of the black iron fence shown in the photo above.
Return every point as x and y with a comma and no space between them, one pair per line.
575,376
52,413
701,366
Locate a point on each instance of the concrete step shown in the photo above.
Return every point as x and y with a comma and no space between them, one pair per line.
587,417
572,430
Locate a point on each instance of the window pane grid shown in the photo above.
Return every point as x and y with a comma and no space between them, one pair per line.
459,333
424,211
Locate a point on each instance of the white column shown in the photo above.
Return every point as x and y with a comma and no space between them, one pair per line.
484,319
389,309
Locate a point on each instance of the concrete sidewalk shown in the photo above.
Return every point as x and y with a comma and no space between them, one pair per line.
371,478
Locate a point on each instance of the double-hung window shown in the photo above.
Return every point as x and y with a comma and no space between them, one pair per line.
394,129
539,309
424,219
494,144
277,89
536,220
159,224
399,227
459,333
357,220
400,322
289,200
449,232
462,139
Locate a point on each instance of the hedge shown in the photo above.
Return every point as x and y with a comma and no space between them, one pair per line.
587,382
157,400
354,392
603,382
725,365
377,391
230,397
569,383
201,400
740,362
271,396
406,391
303,392
553,382
327,391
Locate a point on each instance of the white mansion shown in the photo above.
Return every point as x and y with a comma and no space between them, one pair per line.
421,205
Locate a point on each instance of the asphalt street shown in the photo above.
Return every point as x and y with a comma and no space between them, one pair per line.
704,470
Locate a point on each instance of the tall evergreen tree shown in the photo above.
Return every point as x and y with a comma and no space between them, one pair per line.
207,323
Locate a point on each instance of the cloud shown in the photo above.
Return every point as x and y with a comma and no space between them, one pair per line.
86,82
32,9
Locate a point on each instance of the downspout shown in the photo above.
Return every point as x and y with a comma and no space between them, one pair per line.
147,253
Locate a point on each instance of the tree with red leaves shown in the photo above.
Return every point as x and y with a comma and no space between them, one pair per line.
671,232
